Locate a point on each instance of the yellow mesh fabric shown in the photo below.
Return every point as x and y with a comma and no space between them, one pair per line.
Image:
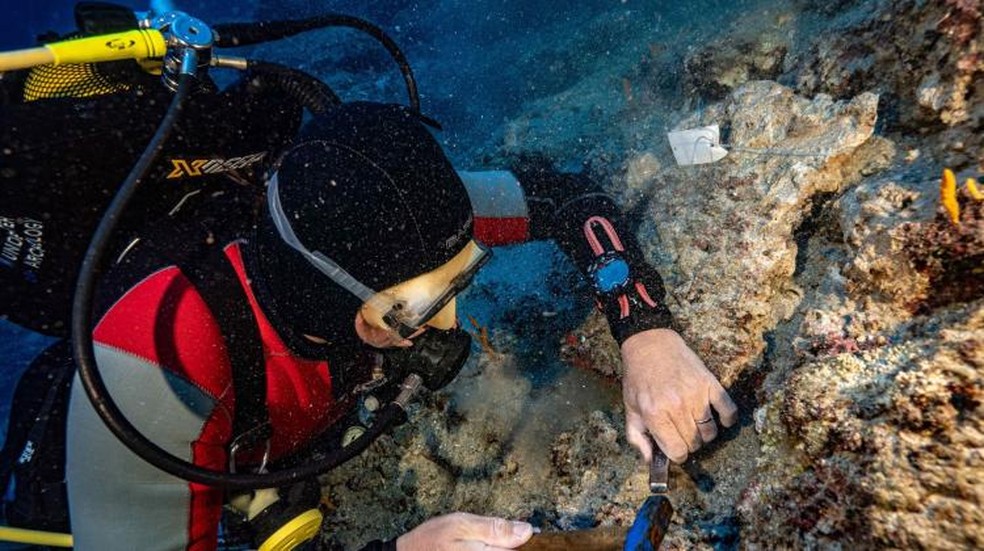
68,81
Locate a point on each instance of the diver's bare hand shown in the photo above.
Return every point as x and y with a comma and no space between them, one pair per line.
669,392
465,532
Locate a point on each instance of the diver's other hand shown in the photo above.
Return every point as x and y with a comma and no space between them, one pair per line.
669,392
465,532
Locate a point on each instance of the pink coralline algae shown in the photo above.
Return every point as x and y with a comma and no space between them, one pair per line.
832,344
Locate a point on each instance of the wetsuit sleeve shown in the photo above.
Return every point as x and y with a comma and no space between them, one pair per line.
535,202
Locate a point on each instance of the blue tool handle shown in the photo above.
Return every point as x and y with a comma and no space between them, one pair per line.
650,526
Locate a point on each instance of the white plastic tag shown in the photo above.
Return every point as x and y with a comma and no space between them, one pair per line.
697,146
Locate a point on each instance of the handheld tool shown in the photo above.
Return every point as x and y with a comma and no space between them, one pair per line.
646,533
653,519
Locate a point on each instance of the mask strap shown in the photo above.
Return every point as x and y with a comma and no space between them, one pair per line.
317,259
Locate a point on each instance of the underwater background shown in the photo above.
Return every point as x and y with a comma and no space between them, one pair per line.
818,269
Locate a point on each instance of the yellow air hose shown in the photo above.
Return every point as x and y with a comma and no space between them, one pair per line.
135,44
35,537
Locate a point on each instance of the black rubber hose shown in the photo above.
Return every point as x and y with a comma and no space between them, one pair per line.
231,35
95,387
307,90
92,265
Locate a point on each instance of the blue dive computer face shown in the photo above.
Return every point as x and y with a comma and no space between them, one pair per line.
610,273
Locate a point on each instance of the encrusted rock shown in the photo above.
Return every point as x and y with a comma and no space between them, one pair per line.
925,58
734,59
728,230
880,449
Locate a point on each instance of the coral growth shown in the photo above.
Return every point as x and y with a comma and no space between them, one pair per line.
833,343
948,196
743,239
821,507
480,333
589,479
962,21
881,449
713,72
949,253
591,347
925,58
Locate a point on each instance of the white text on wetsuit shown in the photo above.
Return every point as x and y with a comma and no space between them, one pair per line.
24,247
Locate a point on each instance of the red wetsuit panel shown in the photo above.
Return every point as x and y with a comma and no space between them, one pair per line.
299,391
165,322
502,231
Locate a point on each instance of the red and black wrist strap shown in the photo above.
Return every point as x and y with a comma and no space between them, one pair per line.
627,289
576,213
610,272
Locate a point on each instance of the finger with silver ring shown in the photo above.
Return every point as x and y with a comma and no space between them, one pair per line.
707,426
688,430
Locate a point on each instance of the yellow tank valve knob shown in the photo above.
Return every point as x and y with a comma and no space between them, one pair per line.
302,528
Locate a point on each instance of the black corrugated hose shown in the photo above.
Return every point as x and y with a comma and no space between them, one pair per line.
305,89
232,35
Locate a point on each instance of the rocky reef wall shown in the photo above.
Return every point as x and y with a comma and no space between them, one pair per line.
818,269
818,256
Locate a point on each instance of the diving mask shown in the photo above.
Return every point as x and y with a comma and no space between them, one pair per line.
428,299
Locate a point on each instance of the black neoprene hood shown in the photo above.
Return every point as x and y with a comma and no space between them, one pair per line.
368,186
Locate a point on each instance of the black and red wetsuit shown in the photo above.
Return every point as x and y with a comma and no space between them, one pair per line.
159,347
163,357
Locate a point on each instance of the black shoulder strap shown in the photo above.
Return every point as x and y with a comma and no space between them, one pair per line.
219,285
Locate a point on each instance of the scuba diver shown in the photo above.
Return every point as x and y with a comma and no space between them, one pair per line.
337,282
